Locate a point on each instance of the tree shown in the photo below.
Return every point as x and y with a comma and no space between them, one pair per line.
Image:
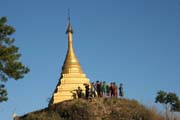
170,101
3,93
10,65
161,98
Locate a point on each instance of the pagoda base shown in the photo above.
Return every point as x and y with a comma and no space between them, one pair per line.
66,88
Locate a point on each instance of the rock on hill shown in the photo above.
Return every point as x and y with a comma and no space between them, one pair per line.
97,109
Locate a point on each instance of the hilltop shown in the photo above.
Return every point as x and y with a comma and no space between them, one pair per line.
95,109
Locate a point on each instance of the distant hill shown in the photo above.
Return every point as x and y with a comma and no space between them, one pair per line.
97,109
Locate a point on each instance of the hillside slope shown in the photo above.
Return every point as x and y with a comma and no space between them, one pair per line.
97,109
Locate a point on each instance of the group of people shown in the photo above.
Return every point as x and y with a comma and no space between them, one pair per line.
101,89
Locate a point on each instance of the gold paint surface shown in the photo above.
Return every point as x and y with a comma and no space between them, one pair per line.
71,63
72,75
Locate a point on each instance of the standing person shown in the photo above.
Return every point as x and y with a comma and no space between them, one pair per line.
115,90
87,90
111,89
107,89
98,88
93,92
79,92
101,90
121,92
104,88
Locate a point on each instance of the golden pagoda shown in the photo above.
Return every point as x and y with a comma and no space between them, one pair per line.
72,75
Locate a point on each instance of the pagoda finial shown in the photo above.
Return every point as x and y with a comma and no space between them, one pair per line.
68,14
69,29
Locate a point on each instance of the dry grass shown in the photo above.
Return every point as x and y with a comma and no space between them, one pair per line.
97,109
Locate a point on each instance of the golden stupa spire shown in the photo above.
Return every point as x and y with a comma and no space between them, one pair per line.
72,75
71,63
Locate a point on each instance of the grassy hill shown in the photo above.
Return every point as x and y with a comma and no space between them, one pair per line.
97,109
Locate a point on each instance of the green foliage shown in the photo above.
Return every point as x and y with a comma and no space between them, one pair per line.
172,99
169,100
161,97
10,66
3,93
176,106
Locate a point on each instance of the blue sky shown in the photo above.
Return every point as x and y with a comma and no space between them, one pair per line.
135,42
